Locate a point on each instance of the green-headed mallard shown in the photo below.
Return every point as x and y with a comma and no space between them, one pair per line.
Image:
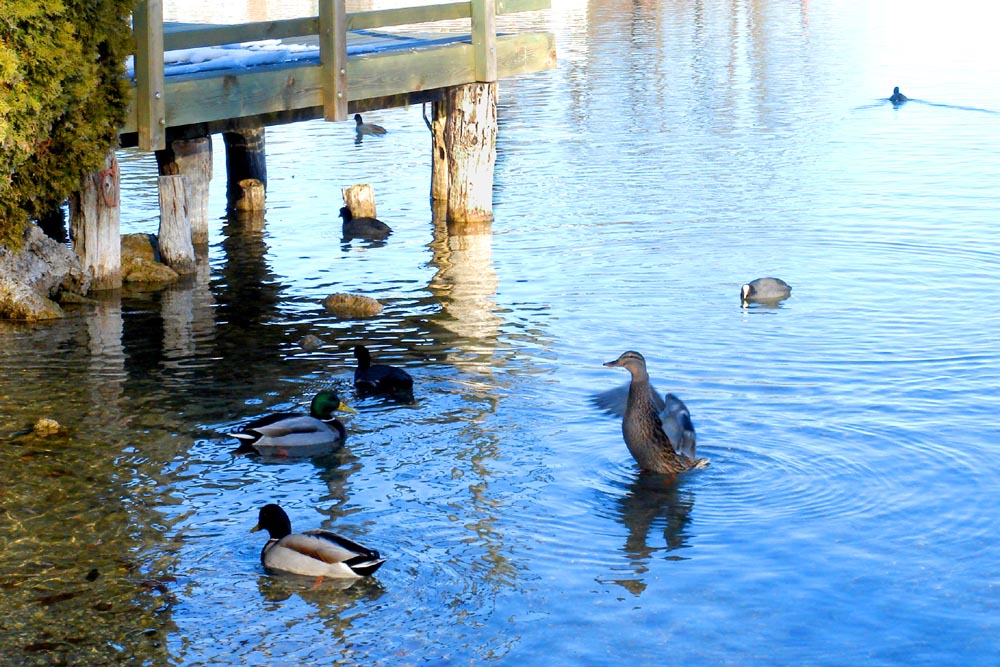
381,379
658,432
767,290
315,553
293,434
363,228
362,127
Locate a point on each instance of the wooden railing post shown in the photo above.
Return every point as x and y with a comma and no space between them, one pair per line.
484,39
151,117
333,57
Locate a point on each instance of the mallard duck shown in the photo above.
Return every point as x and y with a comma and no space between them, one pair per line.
363,228
381,379
316,553
897,97
293,434
765,289
362,127
659,433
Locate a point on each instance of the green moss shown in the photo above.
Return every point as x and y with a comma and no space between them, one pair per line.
63,96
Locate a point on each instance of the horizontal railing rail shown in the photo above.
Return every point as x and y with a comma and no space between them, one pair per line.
331,26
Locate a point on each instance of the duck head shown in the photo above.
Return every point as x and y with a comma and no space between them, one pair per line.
631,360
325,403
274,520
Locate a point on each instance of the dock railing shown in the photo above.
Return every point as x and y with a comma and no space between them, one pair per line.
158,104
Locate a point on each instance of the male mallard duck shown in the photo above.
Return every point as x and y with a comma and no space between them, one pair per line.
897,97
316,553
380,379
363,228
765,289
362,127
293,434
659,433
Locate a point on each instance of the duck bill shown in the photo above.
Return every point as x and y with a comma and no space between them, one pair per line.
255,528
344,407
612,364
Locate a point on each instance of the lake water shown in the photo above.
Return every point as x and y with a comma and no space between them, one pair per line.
849,515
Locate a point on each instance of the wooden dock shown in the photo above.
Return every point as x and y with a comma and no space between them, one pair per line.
365,60
325,66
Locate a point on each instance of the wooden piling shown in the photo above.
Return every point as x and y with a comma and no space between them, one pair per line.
439,152
245,158
360,198
176,248
470,134
251,197
191,158
95,225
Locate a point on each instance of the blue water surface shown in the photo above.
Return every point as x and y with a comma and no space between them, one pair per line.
679,149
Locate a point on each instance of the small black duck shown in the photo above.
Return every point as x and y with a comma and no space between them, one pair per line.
767,290
897,97
293,434
659,433
364,128
381,379
363,228
315,553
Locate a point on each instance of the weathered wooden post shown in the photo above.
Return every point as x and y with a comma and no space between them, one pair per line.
95,224
360,198
251,198
470,139
191,158
439,155
245,158
464,130
176,247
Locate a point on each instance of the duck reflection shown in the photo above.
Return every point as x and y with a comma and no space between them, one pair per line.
653,506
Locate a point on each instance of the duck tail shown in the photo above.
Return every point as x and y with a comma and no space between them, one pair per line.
365,565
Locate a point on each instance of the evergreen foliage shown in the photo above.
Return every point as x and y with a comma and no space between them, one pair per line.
63,96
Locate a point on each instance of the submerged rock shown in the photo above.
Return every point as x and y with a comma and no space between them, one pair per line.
142,270
352,305
45,427
141,261
310,342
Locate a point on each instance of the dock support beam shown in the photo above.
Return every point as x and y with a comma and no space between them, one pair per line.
174,237
245,158
95,225
191,158
464,130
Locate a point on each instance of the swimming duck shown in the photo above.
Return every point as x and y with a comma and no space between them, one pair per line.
362,127
659,433
316,553
293,434
381,379
897,97
766,290
363,228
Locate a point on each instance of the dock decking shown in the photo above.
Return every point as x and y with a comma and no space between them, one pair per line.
330,65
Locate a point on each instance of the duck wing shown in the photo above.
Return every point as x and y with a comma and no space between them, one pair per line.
614,401
289,431
332,548
677,425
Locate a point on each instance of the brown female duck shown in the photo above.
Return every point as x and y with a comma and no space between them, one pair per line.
658,432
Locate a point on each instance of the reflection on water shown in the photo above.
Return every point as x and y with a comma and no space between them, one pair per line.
656,511
679,149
